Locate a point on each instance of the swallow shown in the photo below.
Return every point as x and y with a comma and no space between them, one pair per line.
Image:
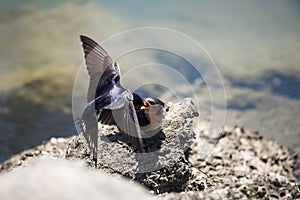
111,104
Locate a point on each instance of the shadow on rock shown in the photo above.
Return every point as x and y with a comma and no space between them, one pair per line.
163,167
151,144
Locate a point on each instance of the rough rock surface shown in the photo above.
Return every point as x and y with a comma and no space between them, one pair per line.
163,168
240,164
54,148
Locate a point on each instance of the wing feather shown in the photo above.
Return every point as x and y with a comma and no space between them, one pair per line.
100,67
126,119
107,97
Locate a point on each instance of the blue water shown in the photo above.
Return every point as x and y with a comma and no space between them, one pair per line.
255,45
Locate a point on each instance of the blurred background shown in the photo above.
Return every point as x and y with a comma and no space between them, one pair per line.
255,44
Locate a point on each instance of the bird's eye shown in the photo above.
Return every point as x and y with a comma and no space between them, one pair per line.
148,102
151,102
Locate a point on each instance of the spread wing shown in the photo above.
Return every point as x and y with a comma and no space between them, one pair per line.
89,128
100,67
107,97
122,113
126,119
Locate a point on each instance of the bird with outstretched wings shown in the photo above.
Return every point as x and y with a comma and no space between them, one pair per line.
108,101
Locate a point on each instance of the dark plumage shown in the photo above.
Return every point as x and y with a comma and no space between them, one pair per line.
110,103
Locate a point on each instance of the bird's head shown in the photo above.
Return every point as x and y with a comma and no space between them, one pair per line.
155,109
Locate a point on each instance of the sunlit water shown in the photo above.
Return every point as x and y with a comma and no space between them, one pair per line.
255,45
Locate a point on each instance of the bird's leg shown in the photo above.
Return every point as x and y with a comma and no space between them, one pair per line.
95,161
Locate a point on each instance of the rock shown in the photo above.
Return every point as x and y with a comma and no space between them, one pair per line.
46,150
240,164
63,180
243,164
163,168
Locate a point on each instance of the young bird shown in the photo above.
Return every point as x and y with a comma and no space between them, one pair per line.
110,103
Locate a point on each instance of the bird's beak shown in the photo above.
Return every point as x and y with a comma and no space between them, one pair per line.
146,106
146,103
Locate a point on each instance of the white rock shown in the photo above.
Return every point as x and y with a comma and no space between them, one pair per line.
61,179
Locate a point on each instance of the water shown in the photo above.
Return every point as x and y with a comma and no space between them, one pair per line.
255,44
